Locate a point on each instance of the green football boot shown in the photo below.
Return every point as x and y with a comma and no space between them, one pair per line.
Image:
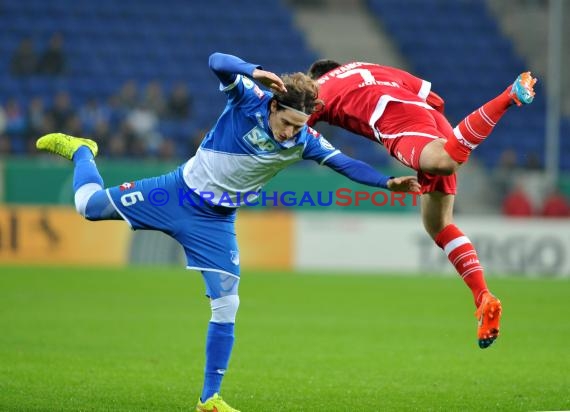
65,145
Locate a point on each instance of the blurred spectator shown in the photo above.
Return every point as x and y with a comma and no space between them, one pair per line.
15,118
92,113
61,111
517,203
167,150
533,162
24,60
556,205
102,134
35,119
52,60
179,102
504,174
134,144
5,144
35,116
144,124
73,126
117,146
127,98
153,98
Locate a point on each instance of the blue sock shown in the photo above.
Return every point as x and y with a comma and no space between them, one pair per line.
219,344
85,169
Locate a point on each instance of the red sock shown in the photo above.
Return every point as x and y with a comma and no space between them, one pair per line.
463,257
475,128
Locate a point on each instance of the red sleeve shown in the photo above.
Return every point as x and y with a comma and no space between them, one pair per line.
419,87
435,101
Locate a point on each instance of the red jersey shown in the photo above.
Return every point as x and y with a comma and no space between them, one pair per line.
356,94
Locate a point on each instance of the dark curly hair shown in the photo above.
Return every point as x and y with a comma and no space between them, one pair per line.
302,93
320,67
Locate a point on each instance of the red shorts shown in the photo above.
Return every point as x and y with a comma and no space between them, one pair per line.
405,129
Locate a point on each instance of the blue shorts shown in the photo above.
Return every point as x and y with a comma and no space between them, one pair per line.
207,233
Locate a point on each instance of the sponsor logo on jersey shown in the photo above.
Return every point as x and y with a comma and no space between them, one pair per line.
260,141
126,186
247,82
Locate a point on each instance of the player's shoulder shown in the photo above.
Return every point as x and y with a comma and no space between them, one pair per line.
310,134
253,89
315,138
249,92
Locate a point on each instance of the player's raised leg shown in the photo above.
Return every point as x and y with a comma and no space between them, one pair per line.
90,199
437,212
476,127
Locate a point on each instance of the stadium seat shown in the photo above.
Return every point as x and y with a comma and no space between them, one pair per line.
107,42
459,48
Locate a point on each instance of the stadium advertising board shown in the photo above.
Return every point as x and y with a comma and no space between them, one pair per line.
398,244
58,235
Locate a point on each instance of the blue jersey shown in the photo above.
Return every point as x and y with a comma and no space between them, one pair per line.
239,155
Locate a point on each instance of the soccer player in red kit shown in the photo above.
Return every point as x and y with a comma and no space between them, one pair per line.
399,111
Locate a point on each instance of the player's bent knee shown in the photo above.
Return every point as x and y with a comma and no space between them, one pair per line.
97,206
435,160
224,309
445,166
82,196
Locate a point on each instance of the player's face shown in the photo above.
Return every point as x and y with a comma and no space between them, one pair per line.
285,123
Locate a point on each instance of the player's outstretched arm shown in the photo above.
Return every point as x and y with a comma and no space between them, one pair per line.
226,67
363,173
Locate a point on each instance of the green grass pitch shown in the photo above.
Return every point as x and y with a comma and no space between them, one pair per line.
85,339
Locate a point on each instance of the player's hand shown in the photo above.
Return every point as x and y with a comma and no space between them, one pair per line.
404,184
269,80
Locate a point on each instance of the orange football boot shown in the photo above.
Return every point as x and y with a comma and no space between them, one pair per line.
488,315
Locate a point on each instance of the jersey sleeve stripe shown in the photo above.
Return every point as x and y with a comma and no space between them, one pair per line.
230,86
118,210
425,89
329,156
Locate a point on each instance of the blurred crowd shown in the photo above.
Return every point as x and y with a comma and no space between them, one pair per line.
523,191
125,124
51,61
130,122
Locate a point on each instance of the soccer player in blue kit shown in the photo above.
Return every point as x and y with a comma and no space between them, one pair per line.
259,133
